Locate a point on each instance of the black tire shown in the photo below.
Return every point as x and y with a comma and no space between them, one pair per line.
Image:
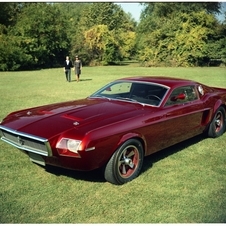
218,123
126,163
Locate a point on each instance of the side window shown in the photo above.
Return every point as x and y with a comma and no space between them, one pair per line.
182,95
191,93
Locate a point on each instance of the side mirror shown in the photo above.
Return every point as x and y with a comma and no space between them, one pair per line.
180,96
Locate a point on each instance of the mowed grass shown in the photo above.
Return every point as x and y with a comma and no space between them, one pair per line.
185,183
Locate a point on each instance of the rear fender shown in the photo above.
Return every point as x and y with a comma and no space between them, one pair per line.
208,114
217,105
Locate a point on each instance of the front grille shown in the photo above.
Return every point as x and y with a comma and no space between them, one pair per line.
25,141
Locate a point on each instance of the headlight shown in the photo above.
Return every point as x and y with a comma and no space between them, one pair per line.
73,145
66,144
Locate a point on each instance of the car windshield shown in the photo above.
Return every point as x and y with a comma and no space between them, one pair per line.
141,92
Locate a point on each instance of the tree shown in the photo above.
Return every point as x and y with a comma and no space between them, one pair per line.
175,33
115,46
39,35
73,13
97,38
9,12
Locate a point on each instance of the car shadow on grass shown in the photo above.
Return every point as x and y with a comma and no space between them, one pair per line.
98,175
92,176
160,155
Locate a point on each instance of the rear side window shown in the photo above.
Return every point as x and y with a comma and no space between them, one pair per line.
182,95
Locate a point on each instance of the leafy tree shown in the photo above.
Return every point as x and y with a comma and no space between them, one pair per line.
9,12
39,33
10,54
73,13
109,14
216,46
176,33
97,38
117,45
34,35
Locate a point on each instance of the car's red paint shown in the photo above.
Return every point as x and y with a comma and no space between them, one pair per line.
104,121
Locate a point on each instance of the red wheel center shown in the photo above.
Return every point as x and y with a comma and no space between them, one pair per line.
128,162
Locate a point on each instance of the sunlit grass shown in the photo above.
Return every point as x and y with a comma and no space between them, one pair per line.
182,184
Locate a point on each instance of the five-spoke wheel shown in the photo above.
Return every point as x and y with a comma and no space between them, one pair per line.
218,123
126,163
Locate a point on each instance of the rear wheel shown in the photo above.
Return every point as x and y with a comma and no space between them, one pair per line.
126,163
218,123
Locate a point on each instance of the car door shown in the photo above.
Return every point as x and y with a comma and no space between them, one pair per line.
181,119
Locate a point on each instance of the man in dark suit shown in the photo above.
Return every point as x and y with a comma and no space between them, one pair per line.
67,68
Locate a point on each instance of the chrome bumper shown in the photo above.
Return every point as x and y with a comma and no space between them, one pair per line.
26,142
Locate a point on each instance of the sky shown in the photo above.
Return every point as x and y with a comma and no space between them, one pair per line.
135,9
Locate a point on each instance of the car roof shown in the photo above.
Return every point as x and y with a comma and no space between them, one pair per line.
166,81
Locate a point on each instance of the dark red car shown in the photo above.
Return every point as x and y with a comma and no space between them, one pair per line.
118,125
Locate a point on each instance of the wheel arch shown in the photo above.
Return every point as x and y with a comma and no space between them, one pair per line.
217,105
136,136
224,106
217,127
212,112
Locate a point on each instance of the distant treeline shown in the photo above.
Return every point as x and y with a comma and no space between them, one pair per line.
40,35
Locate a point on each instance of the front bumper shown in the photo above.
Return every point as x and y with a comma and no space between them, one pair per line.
26,142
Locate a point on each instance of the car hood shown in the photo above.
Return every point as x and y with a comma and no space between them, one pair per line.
88,114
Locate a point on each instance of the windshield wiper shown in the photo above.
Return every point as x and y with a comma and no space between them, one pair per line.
126,98
100,96
130,100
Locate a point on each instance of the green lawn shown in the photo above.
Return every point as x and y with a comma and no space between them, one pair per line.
182,184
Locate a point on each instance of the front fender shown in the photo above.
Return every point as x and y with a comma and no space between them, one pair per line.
133,135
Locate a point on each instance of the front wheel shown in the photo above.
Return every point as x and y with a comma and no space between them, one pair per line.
126,163
218,123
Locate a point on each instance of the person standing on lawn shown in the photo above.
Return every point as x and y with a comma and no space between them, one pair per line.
78,67
67,68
